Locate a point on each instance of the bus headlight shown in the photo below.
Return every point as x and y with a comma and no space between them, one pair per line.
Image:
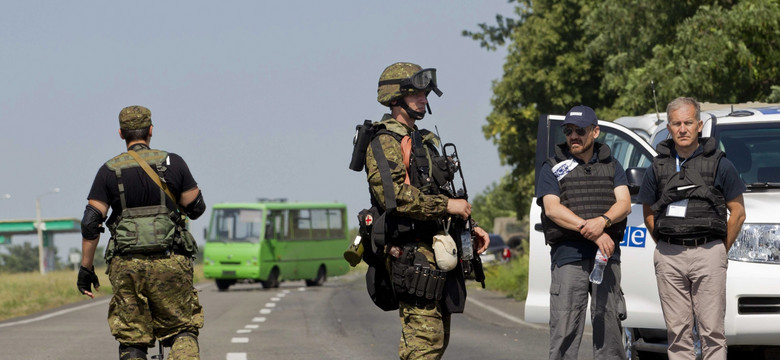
757,243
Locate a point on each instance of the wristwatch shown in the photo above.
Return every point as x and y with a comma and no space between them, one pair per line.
609,221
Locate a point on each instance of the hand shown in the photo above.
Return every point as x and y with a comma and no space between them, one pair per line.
591,229
459,207
482,239
605,244
86,279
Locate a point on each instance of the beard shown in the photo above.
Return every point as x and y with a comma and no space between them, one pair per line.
583,147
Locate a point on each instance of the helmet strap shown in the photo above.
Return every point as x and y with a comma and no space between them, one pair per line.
417,115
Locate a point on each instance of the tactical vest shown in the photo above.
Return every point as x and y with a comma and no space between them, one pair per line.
144,229
705,214
588,191
426,171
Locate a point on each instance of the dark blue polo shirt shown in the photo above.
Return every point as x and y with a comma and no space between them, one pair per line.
569,251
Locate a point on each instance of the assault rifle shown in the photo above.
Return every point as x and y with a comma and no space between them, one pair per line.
461,229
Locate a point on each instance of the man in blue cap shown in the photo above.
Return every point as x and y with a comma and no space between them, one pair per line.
584,197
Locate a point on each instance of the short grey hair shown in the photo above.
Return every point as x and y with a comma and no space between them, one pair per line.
680,102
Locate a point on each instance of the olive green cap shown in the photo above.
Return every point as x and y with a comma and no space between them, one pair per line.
390,92
135,117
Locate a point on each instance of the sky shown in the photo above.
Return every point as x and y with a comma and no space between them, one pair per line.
260,98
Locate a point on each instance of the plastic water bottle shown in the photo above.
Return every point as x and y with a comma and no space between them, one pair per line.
598,268
465,243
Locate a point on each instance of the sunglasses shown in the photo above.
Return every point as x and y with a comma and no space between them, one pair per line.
580,131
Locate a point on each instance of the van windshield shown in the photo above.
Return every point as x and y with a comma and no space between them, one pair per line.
236,225
755,151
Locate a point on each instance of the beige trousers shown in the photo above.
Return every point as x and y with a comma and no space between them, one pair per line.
692,285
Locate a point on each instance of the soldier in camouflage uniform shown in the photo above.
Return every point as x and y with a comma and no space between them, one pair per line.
150,252
425,324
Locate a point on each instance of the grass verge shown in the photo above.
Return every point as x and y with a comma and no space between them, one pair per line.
23,294
510,278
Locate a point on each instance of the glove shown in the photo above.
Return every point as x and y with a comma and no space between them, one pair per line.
86,279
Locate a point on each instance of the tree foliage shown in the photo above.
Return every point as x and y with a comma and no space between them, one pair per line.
605,53
495,201
20,258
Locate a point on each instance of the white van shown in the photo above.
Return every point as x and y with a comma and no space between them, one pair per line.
751,139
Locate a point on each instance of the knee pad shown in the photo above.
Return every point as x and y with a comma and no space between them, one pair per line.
185,345
127,352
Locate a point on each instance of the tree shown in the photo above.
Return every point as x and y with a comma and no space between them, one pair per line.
495,201
20,258
604,53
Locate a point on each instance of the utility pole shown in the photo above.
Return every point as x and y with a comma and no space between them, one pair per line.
39,227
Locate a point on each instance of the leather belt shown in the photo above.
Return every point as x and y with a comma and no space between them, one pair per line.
690,242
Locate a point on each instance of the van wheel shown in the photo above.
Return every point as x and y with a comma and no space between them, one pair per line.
322,275
223,284
273,279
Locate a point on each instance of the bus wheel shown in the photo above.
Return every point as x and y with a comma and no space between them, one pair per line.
322,274
273,279
223,284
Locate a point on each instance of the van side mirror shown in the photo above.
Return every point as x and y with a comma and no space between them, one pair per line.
635,176
205,233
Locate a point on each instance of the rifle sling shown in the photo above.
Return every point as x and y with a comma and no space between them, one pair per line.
155,177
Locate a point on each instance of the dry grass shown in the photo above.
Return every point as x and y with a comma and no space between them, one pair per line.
28,293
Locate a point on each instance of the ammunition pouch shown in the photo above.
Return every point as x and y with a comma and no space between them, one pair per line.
184,243
413,277
144,230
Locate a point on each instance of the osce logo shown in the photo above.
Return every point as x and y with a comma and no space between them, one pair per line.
634,237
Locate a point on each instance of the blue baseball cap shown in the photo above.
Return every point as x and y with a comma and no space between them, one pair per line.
580,116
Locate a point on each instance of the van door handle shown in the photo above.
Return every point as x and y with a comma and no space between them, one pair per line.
538,227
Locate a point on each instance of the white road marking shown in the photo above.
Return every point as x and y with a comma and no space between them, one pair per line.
275,299
254,326
257,319
270,304
239,340
235,356
243,331
265,311
505,315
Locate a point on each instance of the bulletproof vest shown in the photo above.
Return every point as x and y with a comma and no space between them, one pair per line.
588,191
144,229
705,213
427,172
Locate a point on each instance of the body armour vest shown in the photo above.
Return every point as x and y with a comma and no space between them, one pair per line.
144,229
588,191
705,211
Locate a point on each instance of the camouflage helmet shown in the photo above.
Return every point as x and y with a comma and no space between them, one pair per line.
389,92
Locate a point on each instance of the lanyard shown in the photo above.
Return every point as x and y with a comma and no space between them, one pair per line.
677,159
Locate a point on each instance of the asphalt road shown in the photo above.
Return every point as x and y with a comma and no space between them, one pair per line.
335,321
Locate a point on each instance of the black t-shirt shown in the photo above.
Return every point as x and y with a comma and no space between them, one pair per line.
140,189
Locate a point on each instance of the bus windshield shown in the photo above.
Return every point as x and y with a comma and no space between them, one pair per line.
236,225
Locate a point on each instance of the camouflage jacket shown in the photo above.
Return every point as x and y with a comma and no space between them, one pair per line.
411,202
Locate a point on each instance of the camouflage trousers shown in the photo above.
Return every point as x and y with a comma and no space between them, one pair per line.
425,331
154,299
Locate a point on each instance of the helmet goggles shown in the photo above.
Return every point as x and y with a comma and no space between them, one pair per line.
423,80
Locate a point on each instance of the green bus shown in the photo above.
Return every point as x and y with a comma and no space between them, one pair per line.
270,242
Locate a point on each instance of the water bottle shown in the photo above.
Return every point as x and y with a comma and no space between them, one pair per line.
465,243
598,268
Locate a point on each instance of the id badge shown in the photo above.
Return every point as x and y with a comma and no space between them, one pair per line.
677,208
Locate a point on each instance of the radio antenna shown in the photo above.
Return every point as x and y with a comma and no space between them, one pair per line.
657,115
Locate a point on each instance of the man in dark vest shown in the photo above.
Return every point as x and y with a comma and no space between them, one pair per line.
400,169
584,197
685,195
150,252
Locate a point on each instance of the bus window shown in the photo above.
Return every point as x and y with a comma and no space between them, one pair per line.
336,223
236,225
302,225
278,228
